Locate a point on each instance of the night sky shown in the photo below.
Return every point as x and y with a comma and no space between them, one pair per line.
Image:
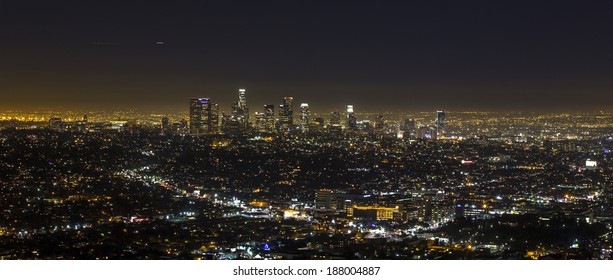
377,55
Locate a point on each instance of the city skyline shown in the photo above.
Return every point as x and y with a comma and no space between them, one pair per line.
306,130
520,56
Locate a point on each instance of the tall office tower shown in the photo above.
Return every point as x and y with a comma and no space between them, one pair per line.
320,122
335,119
286,114
317,125
379,123
242,98
196,110
441,123
242,104
203,116
325,199
260,121
335,123
165,125
240,111
352,122
288,106
85,118
183,127
409,124
269,115
213,126
305,115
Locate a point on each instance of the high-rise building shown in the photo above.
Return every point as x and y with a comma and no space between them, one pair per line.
426,132
242,98
269,115
317,125
196,109
351,119
320,122
240,111
335,119
441,123
165,125
325,199
242,103
203,116
286,114
214,119
409,125
379,124
260,121
335,124
305,115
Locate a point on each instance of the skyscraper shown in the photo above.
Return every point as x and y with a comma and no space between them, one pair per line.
165,125
304,117
269,115
240,111
214,119
379,124
242,103
351,119
335,123
203,116
325,199
196,108
335,119
286,114
260,121
441,123
409,125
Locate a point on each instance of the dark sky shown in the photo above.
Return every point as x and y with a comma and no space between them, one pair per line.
377,55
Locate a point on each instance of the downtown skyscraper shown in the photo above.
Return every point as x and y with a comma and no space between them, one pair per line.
305,115
203,116
441,123
352,122
240,111
286,115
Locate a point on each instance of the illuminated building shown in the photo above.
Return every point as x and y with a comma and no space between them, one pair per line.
304,117
214,118
242,104
335,123
240,111
379,124
325,199
55,123
317,125
426,132
269,115
260,121
286,115
351,119
335,119
165,125
371,212
441,123
591,164
203,116
196,108
409,124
